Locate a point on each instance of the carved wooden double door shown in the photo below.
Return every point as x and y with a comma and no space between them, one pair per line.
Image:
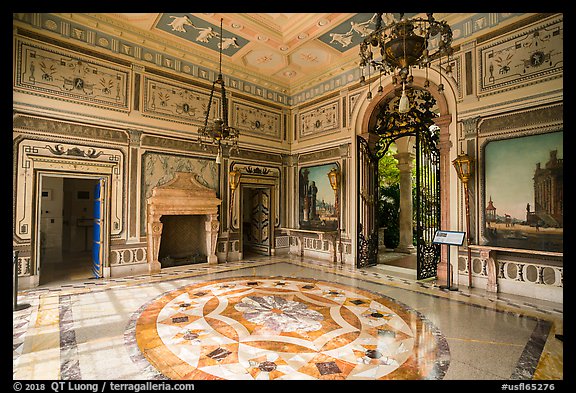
256,221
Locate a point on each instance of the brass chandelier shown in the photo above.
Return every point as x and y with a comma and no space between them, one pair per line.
218,132
394,47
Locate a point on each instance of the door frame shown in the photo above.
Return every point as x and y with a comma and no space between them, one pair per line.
271,217
428,254
39,174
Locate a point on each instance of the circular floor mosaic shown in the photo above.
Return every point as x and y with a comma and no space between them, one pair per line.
285,328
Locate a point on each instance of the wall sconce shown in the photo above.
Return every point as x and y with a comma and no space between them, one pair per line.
335,181
234,181
464,165
234,177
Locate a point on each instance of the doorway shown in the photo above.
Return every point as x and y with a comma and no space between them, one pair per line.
256,219
419,199
66,228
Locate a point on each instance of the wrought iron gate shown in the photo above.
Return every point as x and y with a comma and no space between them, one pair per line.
367,186
427,203
426,198
418,123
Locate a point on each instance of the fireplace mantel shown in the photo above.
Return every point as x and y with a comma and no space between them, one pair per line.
180,196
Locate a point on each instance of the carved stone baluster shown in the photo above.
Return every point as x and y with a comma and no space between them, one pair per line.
212,227
489,257
155,234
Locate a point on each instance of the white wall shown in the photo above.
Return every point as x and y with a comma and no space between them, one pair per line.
51,204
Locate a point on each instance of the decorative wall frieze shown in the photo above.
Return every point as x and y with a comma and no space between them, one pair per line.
159,142
320,155
532,55
53,72
169,101
23,122
257,121
259,156
104,35
257,170
321,120
539,118
260,170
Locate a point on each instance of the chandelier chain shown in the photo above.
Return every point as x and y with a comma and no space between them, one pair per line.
218,132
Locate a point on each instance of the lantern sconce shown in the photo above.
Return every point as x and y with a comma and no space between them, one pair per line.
335,182
234,181
464,165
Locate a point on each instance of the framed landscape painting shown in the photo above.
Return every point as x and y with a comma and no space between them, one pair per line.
523,198
317,200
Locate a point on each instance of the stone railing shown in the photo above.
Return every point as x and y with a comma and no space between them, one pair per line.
534,273
316,241
125,256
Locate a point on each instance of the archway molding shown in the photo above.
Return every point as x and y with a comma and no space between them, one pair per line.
446,102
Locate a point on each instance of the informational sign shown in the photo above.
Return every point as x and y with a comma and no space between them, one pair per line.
453,238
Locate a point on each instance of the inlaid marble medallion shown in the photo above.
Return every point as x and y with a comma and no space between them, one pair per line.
284,328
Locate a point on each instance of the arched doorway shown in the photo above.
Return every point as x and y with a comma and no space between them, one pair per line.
365,115
420,136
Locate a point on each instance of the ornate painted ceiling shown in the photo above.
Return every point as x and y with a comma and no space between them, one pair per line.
290,49
288,53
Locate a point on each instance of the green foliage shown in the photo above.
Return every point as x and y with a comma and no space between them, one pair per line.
389,214
388,172
390,125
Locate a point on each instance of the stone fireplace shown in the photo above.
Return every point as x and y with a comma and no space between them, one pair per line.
183,195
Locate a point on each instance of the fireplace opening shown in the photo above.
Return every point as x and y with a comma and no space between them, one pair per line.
189,210
183,240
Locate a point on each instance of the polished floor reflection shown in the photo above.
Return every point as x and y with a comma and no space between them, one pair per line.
259,328
274,318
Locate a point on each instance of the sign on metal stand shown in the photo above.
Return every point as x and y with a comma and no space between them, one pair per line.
450,238
17,307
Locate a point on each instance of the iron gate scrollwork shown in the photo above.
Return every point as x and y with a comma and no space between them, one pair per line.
367,185
390,125
427,203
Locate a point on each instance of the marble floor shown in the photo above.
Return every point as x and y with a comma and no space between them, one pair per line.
281,318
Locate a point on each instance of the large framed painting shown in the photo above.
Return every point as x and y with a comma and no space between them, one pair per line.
523,199
317,199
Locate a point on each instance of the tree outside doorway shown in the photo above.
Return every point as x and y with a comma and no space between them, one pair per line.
388,214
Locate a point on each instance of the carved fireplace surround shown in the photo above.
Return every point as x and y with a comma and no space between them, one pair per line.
180,196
